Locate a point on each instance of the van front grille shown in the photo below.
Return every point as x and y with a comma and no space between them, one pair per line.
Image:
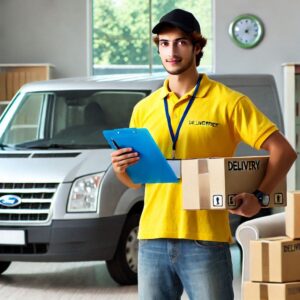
27,249
35,206
23,217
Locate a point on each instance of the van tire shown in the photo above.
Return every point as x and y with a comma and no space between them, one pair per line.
123,267
4,266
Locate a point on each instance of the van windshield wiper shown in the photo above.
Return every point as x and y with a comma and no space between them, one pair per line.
66,146
4,146
53,146
48,144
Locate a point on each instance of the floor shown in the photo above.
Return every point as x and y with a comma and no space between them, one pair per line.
75,281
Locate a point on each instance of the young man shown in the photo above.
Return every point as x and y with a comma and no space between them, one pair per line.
182,249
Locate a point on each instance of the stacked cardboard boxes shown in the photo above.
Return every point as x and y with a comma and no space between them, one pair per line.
275,262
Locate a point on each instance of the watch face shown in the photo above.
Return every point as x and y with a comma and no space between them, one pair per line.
246,31
265,200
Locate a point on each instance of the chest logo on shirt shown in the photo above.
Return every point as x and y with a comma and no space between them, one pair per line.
203,123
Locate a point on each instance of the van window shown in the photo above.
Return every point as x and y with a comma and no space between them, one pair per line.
26,123
69,118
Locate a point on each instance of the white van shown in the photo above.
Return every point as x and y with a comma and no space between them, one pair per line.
59,197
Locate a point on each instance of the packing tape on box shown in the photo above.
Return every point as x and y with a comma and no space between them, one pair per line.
203,167
265,259
292,291
204,186
263,292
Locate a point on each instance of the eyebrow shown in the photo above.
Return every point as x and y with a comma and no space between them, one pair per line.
166,40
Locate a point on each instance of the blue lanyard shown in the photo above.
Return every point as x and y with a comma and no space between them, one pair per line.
176,135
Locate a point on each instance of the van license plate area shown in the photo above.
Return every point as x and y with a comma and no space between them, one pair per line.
12,237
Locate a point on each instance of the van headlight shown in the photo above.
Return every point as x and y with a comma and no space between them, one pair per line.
84,194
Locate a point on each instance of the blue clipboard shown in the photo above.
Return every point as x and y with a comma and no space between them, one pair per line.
152,166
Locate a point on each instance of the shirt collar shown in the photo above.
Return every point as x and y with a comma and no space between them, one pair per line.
203,89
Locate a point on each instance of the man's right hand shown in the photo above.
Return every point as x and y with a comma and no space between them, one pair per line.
123,158
248,205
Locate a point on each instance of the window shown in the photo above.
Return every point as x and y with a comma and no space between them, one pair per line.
122,38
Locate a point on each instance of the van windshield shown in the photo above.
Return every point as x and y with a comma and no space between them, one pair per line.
66,119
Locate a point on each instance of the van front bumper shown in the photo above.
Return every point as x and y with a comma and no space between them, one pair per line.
67,240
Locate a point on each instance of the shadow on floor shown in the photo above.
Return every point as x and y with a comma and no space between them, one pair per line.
80,280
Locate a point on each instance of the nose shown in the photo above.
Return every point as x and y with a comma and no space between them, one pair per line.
172,49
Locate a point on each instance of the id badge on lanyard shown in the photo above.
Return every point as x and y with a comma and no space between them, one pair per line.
175,136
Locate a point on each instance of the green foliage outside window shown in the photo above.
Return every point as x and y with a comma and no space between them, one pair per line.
122,33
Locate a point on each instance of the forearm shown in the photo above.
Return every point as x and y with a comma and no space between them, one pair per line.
125,179
282,156
121,160
276,171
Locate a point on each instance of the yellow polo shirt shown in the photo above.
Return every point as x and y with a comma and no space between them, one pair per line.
217,121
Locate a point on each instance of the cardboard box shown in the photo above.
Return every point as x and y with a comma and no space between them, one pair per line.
212,183
292,215
271,291
275,259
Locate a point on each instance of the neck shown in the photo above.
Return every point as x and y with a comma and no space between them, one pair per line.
183,83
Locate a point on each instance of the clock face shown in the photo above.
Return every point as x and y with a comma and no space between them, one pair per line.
246,31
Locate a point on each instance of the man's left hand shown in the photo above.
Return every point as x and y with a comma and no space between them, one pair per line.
248,205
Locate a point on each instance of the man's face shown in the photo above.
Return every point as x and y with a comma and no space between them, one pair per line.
176,51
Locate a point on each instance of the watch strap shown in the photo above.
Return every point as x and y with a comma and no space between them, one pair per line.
260,197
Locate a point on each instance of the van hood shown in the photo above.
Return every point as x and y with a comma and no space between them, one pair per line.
52,166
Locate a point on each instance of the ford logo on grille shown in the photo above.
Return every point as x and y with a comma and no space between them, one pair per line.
10,200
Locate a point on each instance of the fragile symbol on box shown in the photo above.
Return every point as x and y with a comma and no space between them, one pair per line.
231,202
217,200
278,198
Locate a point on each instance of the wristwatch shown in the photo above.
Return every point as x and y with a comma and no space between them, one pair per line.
263,199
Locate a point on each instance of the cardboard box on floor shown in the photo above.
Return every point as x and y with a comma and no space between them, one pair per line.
212,183
271,291
275,259
292,215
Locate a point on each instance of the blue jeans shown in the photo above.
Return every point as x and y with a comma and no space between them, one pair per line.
167,266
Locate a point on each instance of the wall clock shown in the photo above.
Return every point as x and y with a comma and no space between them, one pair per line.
246,31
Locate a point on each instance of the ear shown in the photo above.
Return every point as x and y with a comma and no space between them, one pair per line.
197,49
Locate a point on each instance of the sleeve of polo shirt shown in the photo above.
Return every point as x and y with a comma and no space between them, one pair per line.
250,125
133,119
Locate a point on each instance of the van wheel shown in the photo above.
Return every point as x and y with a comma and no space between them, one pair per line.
123,267
4,266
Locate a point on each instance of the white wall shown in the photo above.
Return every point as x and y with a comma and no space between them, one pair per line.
45,31
281,42
55,31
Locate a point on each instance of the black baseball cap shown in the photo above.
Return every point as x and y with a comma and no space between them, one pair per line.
178,18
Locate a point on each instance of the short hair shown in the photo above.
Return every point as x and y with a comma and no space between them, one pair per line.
196,39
